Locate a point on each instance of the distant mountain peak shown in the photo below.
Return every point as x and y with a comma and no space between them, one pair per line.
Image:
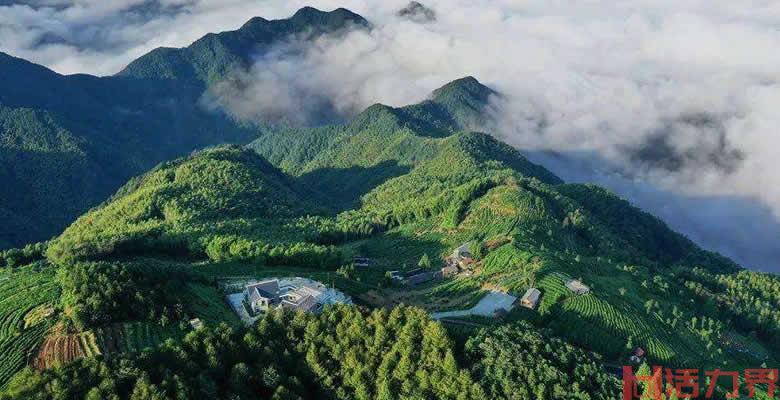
252,22
307,12
465,101
331,20
210,57
467,86
7,59
417,12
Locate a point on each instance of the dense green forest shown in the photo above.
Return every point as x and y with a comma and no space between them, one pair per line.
343,353
97,293
277,205
68,142
401,187
517,362
313,197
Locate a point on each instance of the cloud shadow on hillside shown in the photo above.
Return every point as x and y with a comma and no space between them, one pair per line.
343,187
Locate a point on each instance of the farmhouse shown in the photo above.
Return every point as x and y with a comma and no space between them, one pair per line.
530,298
577,287
294,293
459,261
461,256
402,276
422,277
262,295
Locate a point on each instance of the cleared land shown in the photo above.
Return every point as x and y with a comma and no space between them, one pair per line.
487,306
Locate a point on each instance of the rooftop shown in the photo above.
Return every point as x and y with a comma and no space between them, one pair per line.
268,289
296,293
576,285
532,294
530,298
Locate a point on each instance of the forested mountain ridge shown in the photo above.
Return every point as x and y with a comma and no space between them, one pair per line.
192,203
396,184
171,209
68,142
346,161
387,156
375,173
115,293
210,58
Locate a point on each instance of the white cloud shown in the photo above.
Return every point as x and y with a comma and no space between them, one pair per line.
602,83
102,36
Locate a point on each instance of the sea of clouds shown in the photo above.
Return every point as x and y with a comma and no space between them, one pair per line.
672,104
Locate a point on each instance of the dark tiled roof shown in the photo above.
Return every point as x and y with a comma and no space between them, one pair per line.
268,289
420,278
306,303
412,272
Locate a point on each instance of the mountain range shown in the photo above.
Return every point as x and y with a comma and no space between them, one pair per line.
68,142
161,204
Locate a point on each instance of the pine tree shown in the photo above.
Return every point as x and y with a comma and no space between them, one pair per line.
425,262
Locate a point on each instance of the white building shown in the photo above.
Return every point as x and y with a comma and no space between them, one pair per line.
262,295
577,287
293,293
530,298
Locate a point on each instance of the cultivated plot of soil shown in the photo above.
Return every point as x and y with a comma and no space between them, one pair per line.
61,349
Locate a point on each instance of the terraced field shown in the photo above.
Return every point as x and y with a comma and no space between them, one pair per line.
131,337
553,290
603,327
61,349
21,293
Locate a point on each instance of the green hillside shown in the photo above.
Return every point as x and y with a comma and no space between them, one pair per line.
379,177
401,186
347,161
68,142
229,203
175,206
